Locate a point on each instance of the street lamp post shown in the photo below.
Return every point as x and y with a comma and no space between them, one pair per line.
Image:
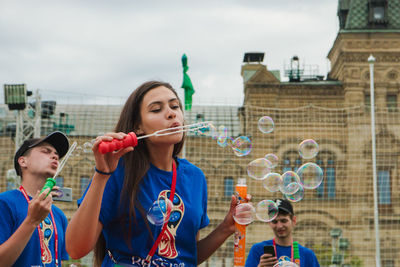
371,61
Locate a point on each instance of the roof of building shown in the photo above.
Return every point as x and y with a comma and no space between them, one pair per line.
355,15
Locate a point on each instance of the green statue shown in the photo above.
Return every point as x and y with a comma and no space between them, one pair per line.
187,84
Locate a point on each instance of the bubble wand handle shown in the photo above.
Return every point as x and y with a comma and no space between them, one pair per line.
132,140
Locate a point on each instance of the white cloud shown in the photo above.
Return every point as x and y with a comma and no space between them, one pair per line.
110,47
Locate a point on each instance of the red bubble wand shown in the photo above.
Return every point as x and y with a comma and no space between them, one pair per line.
132,140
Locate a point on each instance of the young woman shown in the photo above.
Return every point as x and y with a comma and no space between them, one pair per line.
127,182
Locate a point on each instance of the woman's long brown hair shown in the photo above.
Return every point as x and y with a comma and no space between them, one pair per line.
136,163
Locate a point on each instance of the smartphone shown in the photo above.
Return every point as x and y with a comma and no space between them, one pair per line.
65,194
269,250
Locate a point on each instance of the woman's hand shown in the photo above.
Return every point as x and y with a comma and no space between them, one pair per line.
108,162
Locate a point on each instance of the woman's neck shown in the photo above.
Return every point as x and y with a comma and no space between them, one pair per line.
162,158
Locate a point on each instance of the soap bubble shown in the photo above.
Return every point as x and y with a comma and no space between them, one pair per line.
272,182
229,141
208,129
87,147
213,132
159,211
311,175
244,213
259,168
266,124
297,196
308,149
266,210
290,183
241,146
273,159
223,135
286,264
77,151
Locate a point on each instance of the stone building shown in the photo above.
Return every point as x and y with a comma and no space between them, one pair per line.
336,113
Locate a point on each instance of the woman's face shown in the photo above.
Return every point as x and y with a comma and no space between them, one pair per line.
160,110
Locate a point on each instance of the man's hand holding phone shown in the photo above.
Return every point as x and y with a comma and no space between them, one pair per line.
268,259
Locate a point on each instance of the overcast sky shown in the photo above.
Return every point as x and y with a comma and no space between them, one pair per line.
108,47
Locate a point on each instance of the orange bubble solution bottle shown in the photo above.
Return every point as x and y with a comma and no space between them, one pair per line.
240,234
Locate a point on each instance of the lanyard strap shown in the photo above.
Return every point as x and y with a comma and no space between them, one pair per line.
171,198
41,236
294,252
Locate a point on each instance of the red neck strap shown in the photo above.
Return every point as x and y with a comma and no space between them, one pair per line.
41,236
291,251
171,198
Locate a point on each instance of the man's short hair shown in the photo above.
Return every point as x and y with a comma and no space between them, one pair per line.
57,139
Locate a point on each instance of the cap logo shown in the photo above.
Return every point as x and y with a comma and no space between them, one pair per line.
278,202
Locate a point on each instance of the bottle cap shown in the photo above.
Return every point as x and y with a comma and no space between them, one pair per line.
241,181
50,182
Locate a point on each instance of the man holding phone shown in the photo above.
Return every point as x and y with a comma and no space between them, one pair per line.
281,247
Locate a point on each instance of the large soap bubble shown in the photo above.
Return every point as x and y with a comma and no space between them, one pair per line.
272,182
308,149
297,196
266,124
259,168
241,146
286,264
273,159
244,213
290,183
311,175
160,211
266,210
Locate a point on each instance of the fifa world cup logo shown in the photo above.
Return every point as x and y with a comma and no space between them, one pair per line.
167,247
45,233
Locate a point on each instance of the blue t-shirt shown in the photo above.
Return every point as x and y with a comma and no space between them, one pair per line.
13,210
178,246
307,256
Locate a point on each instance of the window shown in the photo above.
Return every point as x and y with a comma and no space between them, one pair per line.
377,13
60,181
286,165
384,190
388,263
84,183
291,161
228,186
327,189
391,102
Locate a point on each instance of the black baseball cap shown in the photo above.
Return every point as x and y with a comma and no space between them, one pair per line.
57,139
284,205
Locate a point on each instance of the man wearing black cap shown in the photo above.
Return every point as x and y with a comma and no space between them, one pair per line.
281,247
31,228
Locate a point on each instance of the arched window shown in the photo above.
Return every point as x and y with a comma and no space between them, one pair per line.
228,186
291,161
327,189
